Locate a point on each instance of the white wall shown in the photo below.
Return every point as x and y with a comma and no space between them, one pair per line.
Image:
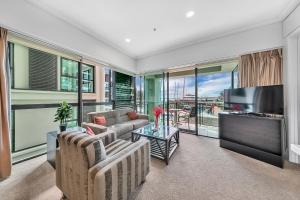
24,18
230,46
291,34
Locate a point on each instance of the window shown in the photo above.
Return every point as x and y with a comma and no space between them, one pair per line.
108,85
11,63
35,69
235,77
69,73
32,69
87,78
69,76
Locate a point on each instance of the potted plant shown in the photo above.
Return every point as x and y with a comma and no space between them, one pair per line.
63,113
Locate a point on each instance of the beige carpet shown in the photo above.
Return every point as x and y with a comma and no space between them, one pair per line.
199,169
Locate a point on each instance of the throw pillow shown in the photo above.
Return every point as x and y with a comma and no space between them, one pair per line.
89,131
132,115
100,120
95,152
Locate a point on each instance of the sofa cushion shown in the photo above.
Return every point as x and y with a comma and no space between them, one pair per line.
138,123
122,128
110,116
123,114
95,152
100,120
132,115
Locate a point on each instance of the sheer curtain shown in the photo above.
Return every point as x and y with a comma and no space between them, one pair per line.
261,69
5,155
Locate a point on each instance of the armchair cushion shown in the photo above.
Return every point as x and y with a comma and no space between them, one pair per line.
95,152
107,137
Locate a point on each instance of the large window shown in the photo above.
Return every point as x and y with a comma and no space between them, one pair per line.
69,76
35,84
40,79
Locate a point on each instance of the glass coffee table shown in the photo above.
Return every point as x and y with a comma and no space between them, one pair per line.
164,141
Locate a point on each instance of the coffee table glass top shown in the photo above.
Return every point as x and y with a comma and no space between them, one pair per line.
163,132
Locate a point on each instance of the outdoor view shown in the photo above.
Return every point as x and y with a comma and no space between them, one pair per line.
210,100
211,82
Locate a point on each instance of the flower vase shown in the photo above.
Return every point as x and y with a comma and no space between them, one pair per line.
156,122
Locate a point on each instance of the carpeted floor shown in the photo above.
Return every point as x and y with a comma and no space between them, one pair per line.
199,169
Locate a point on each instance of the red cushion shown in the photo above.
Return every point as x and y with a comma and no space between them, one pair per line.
100,120
132,115
89,131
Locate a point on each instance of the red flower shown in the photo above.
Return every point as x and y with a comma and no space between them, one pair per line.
157,110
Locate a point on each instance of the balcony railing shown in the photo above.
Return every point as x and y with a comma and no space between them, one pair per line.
186,116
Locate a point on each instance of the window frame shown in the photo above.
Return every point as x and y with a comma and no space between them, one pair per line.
76,77
67,76
93,80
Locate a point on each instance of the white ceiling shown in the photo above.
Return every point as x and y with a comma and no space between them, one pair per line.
112,21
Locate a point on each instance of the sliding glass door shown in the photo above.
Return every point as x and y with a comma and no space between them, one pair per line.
182,105
211,82
154,93
191,98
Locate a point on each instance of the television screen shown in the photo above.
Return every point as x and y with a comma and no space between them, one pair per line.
262,99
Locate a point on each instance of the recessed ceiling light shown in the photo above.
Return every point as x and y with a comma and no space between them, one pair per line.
189,14
128,40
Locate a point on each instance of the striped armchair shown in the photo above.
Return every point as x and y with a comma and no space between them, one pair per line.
123,169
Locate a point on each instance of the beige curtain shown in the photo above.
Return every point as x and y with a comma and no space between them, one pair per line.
5,156
261,69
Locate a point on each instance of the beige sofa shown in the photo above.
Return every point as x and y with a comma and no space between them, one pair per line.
123,169
117,121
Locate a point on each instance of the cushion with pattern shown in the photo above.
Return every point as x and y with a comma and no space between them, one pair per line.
95,152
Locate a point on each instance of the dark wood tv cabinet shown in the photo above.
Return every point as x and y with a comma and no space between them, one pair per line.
262,138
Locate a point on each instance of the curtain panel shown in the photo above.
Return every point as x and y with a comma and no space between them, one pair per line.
5,153
261,69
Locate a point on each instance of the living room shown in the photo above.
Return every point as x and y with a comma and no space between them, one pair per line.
149,99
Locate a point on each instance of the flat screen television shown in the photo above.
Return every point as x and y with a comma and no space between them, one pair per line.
262,99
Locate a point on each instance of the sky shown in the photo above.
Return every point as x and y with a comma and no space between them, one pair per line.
208,85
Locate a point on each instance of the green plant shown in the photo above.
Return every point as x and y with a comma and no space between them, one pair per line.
63,113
